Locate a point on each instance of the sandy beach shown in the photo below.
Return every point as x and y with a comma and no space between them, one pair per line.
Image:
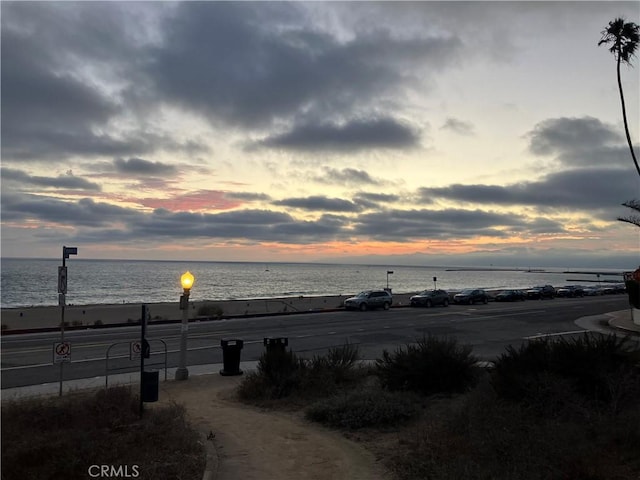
28,318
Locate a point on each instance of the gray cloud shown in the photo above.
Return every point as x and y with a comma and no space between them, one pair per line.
583,141
378,197
595,190
68,181
72,72
346,176
320,203
251,63
458,126
409,225
139,166
248,196
83,213
353,135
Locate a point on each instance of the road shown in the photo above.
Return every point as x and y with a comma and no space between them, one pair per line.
27,359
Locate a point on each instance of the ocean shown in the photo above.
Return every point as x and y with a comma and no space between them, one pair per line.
34,282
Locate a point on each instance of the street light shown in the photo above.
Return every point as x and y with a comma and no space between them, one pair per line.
389,272
186,280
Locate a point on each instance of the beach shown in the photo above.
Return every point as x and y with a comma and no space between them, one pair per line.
77,316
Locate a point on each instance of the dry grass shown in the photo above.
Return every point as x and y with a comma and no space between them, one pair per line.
63,437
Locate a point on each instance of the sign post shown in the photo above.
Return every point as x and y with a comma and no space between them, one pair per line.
62,292
143,351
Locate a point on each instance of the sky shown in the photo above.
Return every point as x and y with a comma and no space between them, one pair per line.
417,133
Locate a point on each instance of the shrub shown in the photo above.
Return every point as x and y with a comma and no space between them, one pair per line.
281,373
601,369
362,408
338,364
210,310
98,323
4,326
481,436
76,323
432,365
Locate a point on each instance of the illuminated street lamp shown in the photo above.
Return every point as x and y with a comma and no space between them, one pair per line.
186,280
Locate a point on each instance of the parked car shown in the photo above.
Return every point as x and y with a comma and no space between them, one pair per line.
592,291
620,288
471,296
570,291
608,289
510,296
369,299
429,298
540,292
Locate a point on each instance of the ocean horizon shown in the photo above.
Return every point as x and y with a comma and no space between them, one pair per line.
34,282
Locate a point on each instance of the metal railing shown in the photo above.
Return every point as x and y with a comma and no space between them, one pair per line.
135,361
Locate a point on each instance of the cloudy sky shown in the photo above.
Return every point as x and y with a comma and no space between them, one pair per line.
420,133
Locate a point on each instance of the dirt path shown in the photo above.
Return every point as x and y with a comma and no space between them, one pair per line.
255,445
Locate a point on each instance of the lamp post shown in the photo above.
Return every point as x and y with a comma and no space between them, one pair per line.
186,280
389,272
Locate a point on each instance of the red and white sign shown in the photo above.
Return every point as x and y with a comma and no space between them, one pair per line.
135,348
61,352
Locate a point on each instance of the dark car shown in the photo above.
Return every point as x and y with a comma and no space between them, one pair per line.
570,291
429,298
471,296
540,292
592,291
369,299
510,296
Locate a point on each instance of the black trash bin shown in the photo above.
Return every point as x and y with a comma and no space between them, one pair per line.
273,344
150,383
231,357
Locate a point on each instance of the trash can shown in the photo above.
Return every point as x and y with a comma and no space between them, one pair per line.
150,383
275,343
231,357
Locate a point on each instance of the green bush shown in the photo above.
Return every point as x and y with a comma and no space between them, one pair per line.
432,365
599,368
210,310
363,408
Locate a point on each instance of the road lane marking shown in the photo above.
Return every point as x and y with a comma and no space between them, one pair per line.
542,335
98,359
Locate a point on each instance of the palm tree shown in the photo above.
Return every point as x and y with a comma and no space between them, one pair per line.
623,38
633,218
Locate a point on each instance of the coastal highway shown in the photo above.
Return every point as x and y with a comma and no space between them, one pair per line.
27,359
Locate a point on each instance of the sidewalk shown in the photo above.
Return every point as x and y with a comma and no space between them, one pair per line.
621,320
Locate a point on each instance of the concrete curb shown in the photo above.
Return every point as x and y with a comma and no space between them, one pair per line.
628,330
